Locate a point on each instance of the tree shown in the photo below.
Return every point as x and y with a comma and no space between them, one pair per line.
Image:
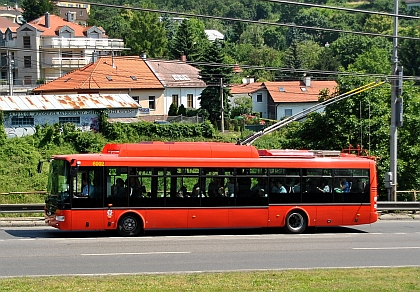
147,34
32,9
173,110
374,61
189,40
182,111
213,75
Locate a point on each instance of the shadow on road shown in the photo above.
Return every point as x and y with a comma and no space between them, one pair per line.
54,233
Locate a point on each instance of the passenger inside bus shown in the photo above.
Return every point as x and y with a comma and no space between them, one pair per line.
344,185
231,187
196,191
87,187
325,188
119,190
296,187
214,186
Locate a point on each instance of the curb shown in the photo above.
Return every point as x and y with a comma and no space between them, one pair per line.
22,222
40,221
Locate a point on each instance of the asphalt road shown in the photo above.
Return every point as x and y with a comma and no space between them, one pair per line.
45,251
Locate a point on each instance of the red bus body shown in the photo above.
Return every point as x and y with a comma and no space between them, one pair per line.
165,163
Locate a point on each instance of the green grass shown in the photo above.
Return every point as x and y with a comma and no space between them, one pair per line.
380,279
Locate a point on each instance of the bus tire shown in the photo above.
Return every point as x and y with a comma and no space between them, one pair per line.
296,222
129,225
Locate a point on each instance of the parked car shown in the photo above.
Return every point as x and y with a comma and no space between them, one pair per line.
161,122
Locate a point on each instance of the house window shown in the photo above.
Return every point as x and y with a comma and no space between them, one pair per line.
259,97
190,102
27,42
287,112
23,121
136,98
71,120
68,54
27,62
152,102
175,99
27,80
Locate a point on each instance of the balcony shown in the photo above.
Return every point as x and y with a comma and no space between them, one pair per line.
69,62
82,43
8,43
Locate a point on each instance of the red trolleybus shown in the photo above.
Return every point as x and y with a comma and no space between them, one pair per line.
157,185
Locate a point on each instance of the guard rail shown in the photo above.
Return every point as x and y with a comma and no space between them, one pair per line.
39,208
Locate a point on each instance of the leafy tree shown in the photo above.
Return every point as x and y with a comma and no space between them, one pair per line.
190,39
374,61
147,34
32,9
242,105
349,47
3,135
408,53
378,24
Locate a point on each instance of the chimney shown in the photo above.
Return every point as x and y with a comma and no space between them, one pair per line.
307,80
183,58
47,20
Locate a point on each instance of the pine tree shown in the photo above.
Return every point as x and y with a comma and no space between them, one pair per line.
32,9
173,110
189,40
214,75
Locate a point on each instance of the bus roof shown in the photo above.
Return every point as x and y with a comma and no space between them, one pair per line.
210,154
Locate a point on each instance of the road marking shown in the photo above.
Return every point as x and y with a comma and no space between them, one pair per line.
382,248
134,253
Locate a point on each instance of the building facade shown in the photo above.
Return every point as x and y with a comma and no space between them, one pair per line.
50,47
23,113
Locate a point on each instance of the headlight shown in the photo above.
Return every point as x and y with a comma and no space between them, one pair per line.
60,218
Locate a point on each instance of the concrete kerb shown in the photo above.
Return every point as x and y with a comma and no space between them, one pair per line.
22,221
40,221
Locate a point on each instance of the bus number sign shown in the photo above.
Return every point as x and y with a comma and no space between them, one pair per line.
98,163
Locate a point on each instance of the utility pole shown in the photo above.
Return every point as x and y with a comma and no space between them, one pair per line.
222,114
10,75
392,176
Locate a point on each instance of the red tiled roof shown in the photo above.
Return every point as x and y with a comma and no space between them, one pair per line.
246,88
55,23
7,23
124,72
176,73
292,90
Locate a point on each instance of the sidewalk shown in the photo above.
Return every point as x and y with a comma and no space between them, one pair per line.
22,221
39,221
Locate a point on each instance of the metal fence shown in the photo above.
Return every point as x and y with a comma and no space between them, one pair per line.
413,206
185,120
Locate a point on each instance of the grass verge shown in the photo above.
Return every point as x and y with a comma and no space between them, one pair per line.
357,279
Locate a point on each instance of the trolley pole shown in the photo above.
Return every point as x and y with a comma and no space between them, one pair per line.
392,196
222,110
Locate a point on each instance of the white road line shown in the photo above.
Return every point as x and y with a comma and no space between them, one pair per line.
134,253
385,248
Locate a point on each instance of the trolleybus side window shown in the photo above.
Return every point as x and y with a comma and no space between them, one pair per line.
88,187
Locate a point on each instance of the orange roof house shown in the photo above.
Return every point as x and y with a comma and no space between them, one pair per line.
276,100
112,75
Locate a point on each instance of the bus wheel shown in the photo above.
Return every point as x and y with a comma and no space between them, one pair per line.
129,225
296,222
